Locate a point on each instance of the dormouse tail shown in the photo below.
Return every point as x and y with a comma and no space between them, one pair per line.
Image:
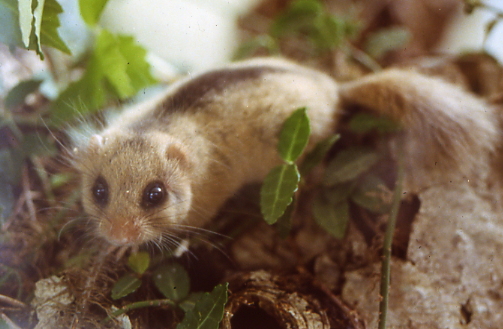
448,134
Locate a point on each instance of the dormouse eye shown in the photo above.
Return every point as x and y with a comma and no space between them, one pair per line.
154,195
100,191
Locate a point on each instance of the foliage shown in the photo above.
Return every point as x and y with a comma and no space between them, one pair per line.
306,20
202,310
30,24
282,181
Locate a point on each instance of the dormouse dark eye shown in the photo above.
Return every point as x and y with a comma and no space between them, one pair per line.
154,195
100,191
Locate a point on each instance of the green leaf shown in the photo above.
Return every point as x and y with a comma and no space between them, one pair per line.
277,191
317,155
349,164
373,194
333,218
172,281
60,179
91,10
364,123
208,311
18,94
294,135
139,262
284,223
116,69
125,285
386,40
10,33
190,302
49,35
25,20
339,192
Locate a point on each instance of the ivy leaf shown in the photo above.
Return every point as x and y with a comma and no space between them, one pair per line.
208,311
277,191
91,10
333,218
139,262
364,123
172,281
294,136
116,69
317,155
125,285
349,164
373,194
18,94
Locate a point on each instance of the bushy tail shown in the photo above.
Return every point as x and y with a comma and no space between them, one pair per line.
448,135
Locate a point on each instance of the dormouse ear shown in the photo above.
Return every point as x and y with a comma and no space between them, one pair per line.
176,151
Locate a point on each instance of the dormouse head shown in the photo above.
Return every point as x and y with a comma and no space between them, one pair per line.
135,189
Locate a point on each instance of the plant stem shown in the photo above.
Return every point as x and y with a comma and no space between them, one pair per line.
145,303
388,240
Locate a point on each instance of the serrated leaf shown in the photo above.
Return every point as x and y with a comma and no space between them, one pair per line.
373,194
17,95
113,63
363,123
277,191
317,155
137,68
208,311
349,164
125,285
25,13
294,135
172,281
139,262
49,34
91,10
117,69
385,40
333,218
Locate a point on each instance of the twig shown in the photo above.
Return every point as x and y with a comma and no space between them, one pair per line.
146,303
388,240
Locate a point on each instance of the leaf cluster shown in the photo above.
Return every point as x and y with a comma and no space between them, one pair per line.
306,20
202,310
